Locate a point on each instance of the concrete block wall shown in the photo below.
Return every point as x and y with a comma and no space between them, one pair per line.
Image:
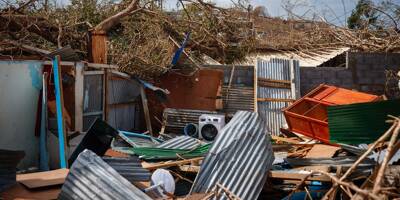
365,72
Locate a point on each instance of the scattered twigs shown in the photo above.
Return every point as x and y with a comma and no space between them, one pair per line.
383,166
393,147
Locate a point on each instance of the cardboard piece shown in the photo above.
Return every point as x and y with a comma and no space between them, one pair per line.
322,151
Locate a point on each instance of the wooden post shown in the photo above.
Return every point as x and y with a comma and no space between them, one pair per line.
97,48
79,79
146,110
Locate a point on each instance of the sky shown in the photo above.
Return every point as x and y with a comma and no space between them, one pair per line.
332,11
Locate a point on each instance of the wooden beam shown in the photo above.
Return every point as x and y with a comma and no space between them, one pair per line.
275,100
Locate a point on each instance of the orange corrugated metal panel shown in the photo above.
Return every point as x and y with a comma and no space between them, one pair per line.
308,115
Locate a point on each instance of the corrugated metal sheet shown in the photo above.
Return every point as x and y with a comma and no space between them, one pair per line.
129,168
8,167
239,158
91,178
123,104
181,142
360,123
281,70
153,153
237,98
307,58
176,119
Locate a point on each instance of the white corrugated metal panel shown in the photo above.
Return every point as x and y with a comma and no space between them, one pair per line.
91,178
181,142
239,158
277,70
306,58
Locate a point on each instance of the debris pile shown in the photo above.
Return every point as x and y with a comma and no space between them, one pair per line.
129,108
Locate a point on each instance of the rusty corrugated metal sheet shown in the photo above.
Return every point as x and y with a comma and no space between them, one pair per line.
177,119
91,178
239,158
277,70
237,98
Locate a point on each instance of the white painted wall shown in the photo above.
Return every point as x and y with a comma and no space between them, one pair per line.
20,84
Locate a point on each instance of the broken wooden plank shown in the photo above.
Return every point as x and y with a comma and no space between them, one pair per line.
43,179
189,168
322,151
287,140
151,166
297,176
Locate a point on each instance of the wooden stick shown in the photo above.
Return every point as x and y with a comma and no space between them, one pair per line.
349,185
390,149
362,157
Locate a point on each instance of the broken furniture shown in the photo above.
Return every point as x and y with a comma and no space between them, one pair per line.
308,115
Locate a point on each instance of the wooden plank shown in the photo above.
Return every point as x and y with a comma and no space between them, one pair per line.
146,110
275,100
255,86
43,179
288,140
273,80
151,166
296,176
273,85
322,151
79,80
18,191
189,168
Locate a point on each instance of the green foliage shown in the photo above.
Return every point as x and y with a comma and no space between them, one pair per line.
363,16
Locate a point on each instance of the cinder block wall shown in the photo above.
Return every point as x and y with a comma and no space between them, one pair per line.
365,72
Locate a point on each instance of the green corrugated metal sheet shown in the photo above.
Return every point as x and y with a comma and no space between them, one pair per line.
360,123
152,153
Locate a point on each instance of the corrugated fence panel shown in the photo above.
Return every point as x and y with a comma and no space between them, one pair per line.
360,123
123,105
277,71
91,178
239,158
